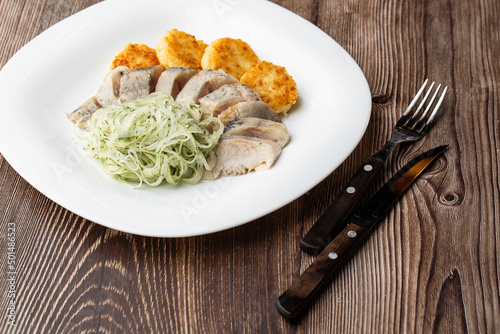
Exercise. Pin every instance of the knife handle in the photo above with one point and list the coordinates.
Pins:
(295, 300)
(332, 220)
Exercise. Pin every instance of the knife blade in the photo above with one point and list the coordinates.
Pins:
(294, 301)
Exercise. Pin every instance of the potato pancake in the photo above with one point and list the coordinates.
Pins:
(135, 56)
(275, 86)
(177, 48)
(233, 56)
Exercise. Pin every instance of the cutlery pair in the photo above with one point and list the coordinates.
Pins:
(335, 236)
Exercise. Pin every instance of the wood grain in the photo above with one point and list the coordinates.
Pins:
(432, 265)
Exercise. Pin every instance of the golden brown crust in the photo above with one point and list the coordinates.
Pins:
(275, 86)
(202, 46)
(135, 55)
(233, 56)
(177, 48)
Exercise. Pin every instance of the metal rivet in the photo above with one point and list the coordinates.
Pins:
(333, 255)
(368, 168)
(351, 190)
(352, 234)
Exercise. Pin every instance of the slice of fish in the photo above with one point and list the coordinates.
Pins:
(139, 83)
(257, 109)
(83, 113)
(238, 155)
(173, 79)
(110, 87)
(227, 96)
(258, 128)
(203, 83)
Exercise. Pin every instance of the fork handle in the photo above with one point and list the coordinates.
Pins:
(332, 221)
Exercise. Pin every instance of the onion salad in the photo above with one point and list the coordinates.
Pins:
(154, 139)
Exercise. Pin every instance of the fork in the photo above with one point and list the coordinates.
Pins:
(414, 124)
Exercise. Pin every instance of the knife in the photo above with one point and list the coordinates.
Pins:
(295, 300)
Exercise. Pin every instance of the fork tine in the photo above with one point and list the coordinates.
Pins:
(415, 99)
(413, 118)
(404, 117)
(426, 111)
(430, 121)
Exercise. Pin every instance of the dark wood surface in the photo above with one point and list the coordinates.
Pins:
(431, 266)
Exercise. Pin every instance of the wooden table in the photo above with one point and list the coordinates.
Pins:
(431, 266)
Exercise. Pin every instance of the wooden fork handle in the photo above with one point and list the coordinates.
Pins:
(333, 219)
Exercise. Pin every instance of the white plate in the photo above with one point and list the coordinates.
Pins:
(64, 65)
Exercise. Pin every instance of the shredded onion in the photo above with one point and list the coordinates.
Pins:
(154, 139)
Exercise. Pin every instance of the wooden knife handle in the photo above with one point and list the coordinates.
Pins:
(295, 300)
(333, 219)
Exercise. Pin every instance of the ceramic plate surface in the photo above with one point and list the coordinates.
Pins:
(62, 67)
